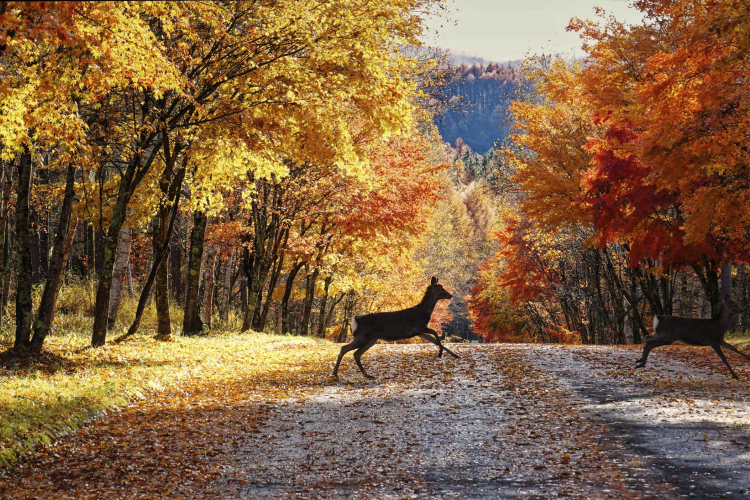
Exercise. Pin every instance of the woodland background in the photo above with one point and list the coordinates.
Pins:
(198, 167)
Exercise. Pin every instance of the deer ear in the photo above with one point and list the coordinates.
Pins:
(434, 281)
(727, 298)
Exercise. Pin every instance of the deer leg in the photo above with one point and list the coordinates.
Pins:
(437, 338)
(717, 349)
(734, 349)
(363, 349)
(426, 337)
(650, 343)
(355, 344)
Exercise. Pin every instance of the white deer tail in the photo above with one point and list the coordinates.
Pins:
(354, 324)
(656, 322)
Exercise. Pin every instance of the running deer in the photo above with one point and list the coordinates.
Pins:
(396, 325)
(704, 332)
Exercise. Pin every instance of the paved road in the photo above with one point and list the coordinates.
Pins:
(503, 421)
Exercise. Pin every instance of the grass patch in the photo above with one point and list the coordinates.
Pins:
(45, 396)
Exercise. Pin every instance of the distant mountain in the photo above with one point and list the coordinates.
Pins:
(485, 90)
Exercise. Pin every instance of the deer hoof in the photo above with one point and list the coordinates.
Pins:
(369, 376)
(335, 375)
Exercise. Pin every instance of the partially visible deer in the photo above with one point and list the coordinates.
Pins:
(396, 325)
(706, 332)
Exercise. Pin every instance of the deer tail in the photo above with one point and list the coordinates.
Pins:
(656, 322)
(354, 324)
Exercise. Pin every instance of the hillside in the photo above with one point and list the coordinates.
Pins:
(486, 91)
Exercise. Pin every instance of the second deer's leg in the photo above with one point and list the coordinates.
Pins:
(355, 344)
(734, 349)
(358, 354)
(717, 349)
(650, 343)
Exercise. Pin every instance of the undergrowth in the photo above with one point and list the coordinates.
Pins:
(46, 395)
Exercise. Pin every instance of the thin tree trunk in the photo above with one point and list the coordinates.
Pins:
(348, 309)
(161, 286)
(209, 275)
(23, 235)
(243, 293)
(4, 237)
(323, 303)
(288, 293)
(227, 287)
(158, 259)
(309, 298)
(130, 179)
(6, 269)
(726, 280)
(120, 275)
(175, 266)
(89, 249)
(192, 323)
(44, 254)
(60, 251)
(36, 266)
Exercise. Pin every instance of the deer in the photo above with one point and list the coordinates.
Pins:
(693, 331)
(396, 325)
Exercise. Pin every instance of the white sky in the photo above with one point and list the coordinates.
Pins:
(507, 30)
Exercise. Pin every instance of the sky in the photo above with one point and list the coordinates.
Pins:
(509, 30)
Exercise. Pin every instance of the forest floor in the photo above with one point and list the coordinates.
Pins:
(503, 421)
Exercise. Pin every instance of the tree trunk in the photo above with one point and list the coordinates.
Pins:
(288, 293)
(161, 286)
(4, 236)
(89, 249)
(309, 298)
(192, 323)
(726, 280)
(130, 179)
(66, 230)
(99, 241)
(226, 287)
(209, 275)
(36, 265)
(323, 303)
(348, 309)
(120, 275)
(23, 235)
(44, 254)
(175, 266)
(243, 293)
(275, 274)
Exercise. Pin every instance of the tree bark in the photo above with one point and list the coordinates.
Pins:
(192, 323)
(130, 179)
(348, 309)
(158, 260)
(36, 265)
(209, 276)
(161, 286)
(4, 236)
(226, 287)
(323, 303)
(726, 280)
(309, 298)
(120, 275)
(23, 235)
(275, 274)
(66, 230)
(175, 266)
(287, 294)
